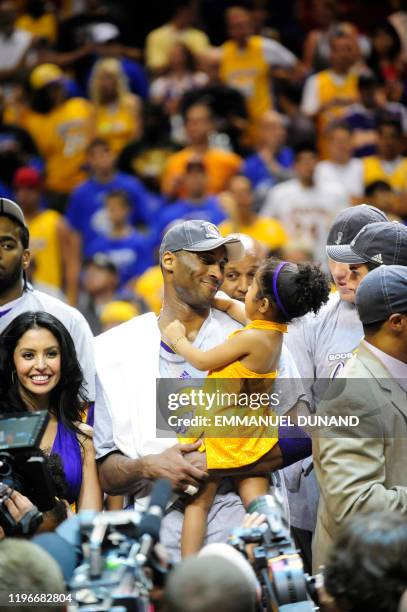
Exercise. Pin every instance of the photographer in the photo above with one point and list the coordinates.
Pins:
(25, 514)
(367, 566)
(219, 577)
(210, 582)
(28, 569)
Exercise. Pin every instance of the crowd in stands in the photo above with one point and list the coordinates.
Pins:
(275, 129)
(105, 144)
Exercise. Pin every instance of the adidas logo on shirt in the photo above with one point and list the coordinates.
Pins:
(377, 258)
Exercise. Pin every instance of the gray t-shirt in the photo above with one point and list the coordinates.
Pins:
(321, 344)
(33, 300)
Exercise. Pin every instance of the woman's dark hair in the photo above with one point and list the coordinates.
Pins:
(395, 49)
(390, 30)
(367, 566)
(43, 99)
(295, 289)
(68, 398)
(189, 58)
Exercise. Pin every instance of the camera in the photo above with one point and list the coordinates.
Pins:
(276, 561)
(23, 468)
(109, 559)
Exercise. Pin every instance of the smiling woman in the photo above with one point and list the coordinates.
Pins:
(39, 370)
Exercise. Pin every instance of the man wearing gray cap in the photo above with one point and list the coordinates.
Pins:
(328, 339)
(321, 345)
(130, 357)
(17, 296)
(364, 468)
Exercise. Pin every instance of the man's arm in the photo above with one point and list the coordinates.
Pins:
(70, 253)
(310, 104)
(354, 467)
(121, 475)
(351, 476)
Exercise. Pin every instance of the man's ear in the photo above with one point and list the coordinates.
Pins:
(264, 305)
(168, 261)
(26, 259)
(397, 322)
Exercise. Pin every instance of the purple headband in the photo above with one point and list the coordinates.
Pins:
(275, 290)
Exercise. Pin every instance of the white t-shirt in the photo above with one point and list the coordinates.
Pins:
(213, 332)
(306, 212)
(170, 87)
(277, 55)
(347, 178)
(13, 47)
(72, 319)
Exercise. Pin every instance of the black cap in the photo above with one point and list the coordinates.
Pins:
(378, 243)
(350, 221)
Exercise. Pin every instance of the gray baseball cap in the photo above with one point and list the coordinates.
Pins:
(197, 235)
(378, 243)
(350, 221)
(11, 209)
(382, 293)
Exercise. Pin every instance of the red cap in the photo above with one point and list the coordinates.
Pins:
(27, 177)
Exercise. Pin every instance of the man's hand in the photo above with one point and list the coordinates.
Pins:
(253, 520)
(172, 465)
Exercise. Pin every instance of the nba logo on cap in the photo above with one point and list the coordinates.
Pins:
(211, 231)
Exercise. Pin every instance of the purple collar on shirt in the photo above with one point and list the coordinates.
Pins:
(5, 312)
(167, 348)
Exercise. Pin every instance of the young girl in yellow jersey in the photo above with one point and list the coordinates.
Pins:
(280, 292)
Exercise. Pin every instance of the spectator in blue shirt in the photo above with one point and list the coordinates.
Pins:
(86, 212)
(364, 116)
(128, 249)
(273, 160)
(195, 205)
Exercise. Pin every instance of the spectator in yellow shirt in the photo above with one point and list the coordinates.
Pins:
(117, 110)
(389, 165)
(54, 250)
(150, 287)
(220, 165)
(327, 93)
(246, 61)
(61, 129)
(38, 21)
(159, 42)
(238, 203)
